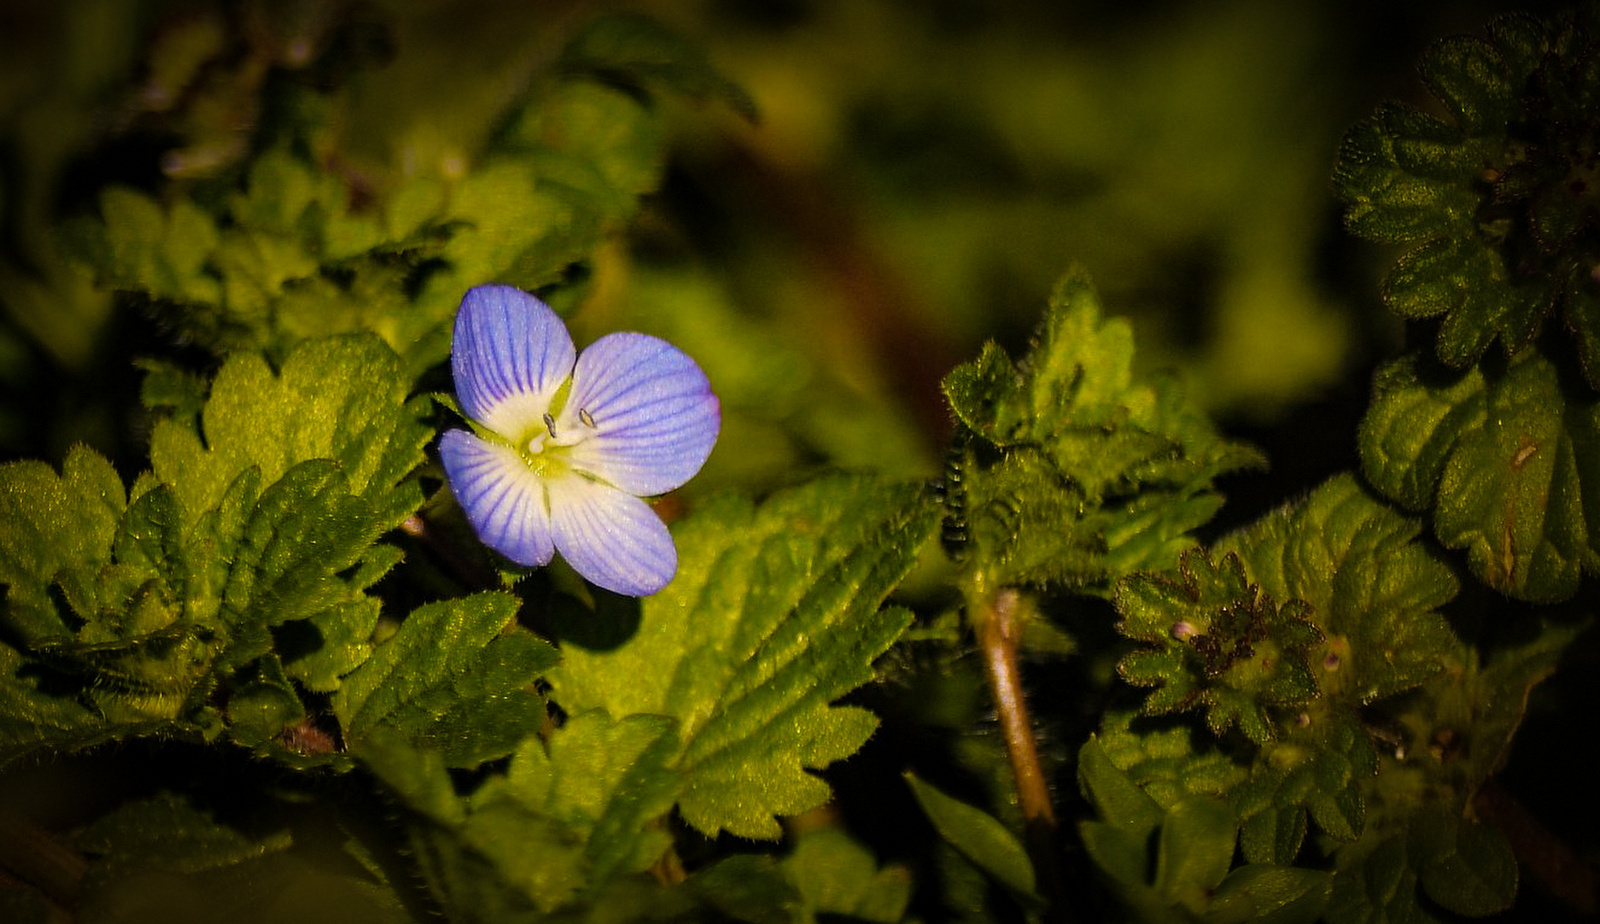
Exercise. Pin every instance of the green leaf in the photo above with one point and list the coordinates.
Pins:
(1271, 895)
(342, 399)
(1113, 793)
(565, 825)
(166, 832)
(283, 259)
(1460, 866)
(835, 875)
(601, 144)
(1373, 588)
(773, 615)
(603, 786)
(1465, 866)
(979, 836)
(1191, 879)
(109, 658)
(53, 522)
(1320, 768)
(172, 388)
(1166, 759)
(304, 530)
(143, 247)
(1376, 883)
(636, 48)
(1194, 850)
(260, 708)
(162, 859)
(514, 230)
(1071, 470)
(747, 887)
(456, 677)
(1496, 197)
(1220, 643)
(1501, 458)
(1274, 833)
(1364, 627)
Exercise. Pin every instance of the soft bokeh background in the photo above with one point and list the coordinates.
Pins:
(918, 176)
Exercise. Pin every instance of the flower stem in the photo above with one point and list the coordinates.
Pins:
(995, 619)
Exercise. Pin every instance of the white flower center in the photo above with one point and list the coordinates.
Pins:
(547, 446)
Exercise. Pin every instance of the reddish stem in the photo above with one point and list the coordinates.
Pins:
(999, 633)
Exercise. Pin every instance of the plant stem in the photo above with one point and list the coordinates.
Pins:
(1542, 855)
(35, 856)
(998, 629)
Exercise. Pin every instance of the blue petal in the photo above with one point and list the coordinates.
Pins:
(510, 354)
(611, 538)
(652, 411)
(502, 497)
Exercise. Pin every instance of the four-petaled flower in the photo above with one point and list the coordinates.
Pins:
(566, 445)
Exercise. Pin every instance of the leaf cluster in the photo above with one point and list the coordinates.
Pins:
(1313, 737)
(1359, 623)
(1495, 195)
(1381, 736)
(246, 616)
(1066, 468)
(715, 699)
(308, 232)
(1232, 649)
(232, 580)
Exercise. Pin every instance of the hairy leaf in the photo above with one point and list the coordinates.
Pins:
(161, 858)
(1465, 866)
(1496, 198)
(248, 549)
(1219, 643)
(456, 677)
(567, 821)
(53, 522)
(1462, 866)
(1071, 470)
(342, 399)
(1502, 457)
(1191, 879)
(1373, 589)
(167, 832)
(93, 606)
(773, 615)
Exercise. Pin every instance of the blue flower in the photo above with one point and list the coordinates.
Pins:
(566, 445)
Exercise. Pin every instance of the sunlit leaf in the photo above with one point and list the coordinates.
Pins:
(456, 677)
(1075, 471)
(774, 614)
